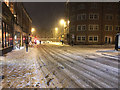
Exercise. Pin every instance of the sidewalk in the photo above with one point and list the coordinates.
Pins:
(20, 70)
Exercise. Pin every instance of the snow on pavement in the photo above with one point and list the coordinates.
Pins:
(19, 69)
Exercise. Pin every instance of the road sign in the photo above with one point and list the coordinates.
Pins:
(119, 41)
(73, 36)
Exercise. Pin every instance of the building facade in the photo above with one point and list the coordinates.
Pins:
(92, 22)
(15, 26)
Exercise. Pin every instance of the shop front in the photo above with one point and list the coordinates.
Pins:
(6, 31)
(6, 41)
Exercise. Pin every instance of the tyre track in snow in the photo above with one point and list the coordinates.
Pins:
(104, 67)
(73, 58)
(56, 70)
(107, 59)
(81, 84)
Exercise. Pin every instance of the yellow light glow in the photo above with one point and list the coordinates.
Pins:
(68, 21)
(62, 21)
(65, 24)
(33, 29)
(56, 29)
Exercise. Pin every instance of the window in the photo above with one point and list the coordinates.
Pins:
(73, 8)
(93, 39)
(90, 38)
(72, 28)
(93, 16)
(81, 6)
(109, 17)
(94, 6)
(108, 27)
(93, 27)
(81, 27)
(81, 38)
(117, 28)
(81, 17)
(108, 39)
(118, 17)
(72, 18)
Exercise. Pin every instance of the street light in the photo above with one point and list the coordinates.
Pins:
(32, 30)
(62, 21)
(68, 22)
(56, 33)
(56, 29)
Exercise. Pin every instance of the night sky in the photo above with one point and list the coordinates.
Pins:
(45, 15)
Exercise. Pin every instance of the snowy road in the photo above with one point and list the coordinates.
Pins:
(57, 66)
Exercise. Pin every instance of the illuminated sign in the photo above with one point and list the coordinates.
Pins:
(119, 41)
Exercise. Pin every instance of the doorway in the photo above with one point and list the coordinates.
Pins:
(108, 39)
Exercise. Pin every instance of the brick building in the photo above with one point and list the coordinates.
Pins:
(15, 25)
(92, 22)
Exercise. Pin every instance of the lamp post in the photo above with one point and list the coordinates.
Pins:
(63, 23)
(32, 30)
(56, 33)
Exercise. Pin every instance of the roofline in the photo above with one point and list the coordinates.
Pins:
(26, 12)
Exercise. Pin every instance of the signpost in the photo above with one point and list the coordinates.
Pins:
(119, 41)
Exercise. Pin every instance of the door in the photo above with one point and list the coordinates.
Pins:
(108, 39)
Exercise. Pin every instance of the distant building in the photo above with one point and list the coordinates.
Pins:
(15, 26)
(92, 22)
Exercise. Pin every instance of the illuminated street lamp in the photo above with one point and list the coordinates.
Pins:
(62, 21)
(32, 30)
(56, 32)
(68, 22)
(56, 29)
